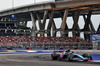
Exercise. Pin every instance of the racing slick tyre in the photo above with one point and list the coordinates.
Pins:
(85, 55)
(54, 57)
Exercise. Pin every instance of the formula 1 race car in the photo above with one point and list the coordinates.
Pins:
(70, 56)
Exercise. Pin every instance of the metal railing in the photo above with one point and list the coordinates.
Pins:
(21, 31)
(49, 45)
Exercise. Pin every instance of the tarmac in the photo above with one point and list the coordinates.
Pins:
(42, 59)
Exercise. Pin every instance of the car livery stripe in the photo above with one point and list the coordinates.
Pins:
(80, 56)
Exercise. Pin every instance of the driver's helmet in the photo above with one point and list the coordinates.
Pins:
(68, 50)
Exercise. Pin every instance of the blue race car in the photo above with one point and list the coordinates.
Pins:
(69, 56)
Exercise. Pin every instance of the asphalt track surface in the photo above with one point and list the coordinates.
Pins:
(38, 60)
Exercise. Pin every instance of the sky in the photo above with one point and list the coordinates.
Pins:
(8, 4)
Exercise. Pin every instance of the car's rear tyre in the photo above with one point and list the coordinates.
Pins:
(53, 57)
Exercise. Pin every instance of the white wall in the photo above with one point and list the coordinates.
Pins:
(8, 4)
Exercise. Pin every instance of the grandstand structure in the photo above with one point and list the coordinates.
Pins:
(23, 42)
(51, 10)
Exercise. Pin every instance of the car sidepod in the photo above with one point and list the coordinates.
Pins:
(81, 57)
